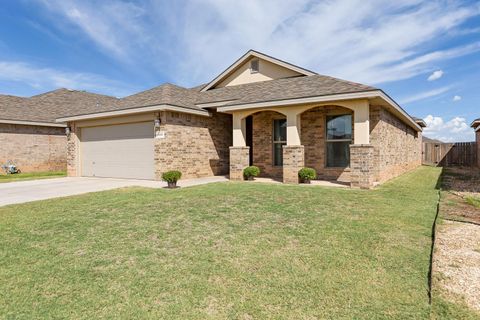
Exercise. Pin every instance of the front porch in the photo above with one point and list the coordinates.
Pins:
(333, 138)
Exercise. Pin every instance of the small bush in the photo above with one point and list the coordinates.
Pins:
(250, 172)
(307, 174)
(171, 176)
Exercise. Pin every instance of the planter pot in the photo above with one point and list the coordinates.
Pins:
(250, 178)
(306, 181)
(172, 185)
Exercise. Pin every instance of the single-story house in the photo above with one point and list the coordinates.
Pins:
(29, 135)
(476, 126)
(260, 111)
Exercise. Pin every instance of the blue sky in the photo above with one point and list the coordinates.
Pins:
(425, 54)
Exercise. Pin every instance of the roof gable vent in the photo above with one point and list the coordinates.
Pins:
(254, 66)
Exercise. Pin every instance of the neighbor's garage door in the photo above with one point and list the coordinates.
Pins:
(118, 151)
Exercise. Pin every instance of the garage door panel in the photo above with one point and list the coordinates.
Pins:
(118, 151)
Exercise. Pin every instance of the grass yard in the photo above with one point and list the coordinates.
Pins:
(31, 176)
(227, 250)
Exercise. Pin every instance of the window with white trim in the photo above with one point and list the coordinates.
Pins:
(279, 140)
(339, 138)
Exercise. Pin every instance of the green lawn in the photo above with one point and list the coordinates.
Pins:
(227, 250)
(31, 176)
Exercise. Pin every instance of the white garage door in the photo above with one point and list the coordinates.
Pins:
(118, 151)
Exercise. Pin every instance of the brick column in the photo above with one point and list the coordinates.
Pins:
(72, 151)
(239, 160)
(293, 160)
(362, 166)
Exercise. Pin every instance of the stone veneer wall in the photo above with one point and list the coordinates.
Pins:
(33, 148)
(198, 146)
(397, 147)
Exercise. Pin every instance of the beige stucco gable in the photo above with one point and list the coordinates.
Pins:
(269, 68)
(266, 71)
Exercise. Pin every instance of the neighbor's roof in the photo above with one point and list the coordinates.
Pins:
(46, 107)
(420, 122)
(475, 123)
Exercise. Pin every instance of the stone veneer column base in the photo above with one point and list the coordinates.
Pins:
(239, 160)
(362, 166)
(293, 160)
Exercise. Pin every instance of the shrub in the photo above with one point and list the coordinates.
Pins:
(307, 174)
(250, 172)
(171, 176)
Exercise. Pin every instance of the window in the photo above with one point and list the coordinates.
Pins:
(279, 140)
(254, 66)
(339, 138)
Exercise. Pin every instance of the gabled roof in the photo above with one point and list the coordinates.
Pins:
(164, 97)
(281, 89)
(248, 55)
(164, 94)
(45, 108)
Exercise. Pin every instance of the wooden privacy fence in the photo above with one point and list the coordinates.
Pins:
(450, 154)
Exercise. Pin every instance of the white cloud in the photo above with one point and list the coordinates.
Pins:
(435, 75)
(192, 41)
(47, 78)
(456, 98)
(425, 95)
(453, 130)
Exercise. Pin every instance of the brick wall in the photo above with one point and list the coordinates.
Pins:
(198, 146)
(262, 146)
(397, 147)
(362, 164)
(313, 135)
(33, 148)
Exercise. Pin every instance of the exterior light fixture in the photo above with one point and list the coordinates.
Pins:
(67, 131)
(157, 123)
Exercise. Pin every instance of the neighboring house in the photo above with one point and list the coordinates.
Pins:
(476, 127)
(260, 111)
(29, 135)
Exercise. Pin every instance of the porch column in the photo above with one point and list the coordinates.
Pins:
(362, 158)
(293, 152)
(239, 152)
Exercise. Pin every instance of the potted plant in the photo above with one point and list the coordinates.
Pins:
(171, 177)
(251, 172)
(306, 175)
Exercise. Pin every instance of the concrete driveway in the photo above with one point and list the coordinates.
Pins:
(33, 190)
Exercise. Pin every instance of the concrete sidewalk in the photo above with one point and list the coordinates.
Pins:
(33, 190)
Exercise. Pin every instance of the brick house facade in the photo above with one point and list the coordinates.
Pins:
(260, 111)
